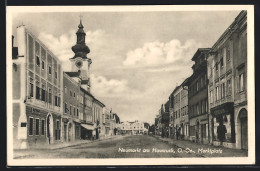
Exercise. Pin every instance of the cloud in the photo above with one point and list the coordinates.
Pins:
(103, 87)
(61, 45)
(154, 54)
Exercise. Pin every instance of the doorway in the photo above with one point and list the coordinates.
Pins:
(244, 128)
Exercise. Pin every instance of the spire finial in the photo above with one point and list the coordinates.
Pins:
(80, 16)
(80, 24)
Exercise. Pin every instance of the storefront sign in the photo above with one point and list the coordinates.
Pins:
(225, 108)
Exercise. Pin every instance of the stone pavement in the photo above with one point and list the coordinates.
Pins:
(205, 150)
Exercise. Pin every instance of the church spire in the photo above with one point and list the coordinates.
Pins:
(80, 49)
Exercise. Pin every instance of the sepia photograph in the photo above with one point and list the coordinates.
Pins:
(130, 85)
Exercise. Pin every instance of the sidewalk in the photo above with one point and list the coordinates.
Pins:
(205, 150)
(61, 145)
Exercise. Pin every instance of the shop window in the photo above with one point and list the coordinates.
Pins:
(37, 126)
(31, 126)
(43, 127)
(57, 131)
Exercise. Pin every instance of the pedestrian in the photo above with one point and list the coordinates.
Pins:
(221, 131)
(177, 134)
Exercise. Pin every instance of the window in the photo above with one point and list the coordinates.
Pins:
(241, 82)
(49, 69)
(216, 66)
(38, 91)
(228, 53)
(37, 126)
(31, 126)
(65, 90)
(216, 95)
(70, 110)
(56, 100)
(70, 93)
(38, 60)
(211, 96)
(74, 94)
(43, 93)
(65, 108)
(56, 75)
(221, 62)
(222, 89)
(43, 126)
(77, 112)
(50, 96)
(197, 109)
(43, 65)
(74, 111)
(31, 88)
(229, 87)
(206, 105)
(57, 131)
(197, 86)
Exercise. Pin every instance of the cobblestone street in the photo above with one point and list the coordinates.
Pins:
(138, 146)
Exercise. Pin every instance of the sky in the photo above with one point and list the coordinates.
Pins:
(138, 58)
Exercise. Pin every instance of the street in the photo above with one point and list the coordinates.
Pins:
(136, 146)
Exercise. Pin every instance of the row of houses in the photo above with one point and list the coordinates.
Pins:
(51, 105)
(133, 128)
(210, 106)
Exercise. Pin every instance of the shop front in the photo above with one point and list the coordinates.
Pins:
(223, 125)
(86, 131)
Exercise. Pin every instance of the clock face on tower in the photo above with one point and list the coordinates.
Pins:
(79, 63)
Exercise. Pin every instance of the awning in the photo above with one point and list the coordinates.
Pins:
(88, 127)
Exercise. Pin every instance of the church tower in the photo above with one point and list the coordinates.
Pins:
(80, 63)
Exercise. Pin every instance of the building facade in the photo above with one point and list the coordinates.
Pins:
(180, 111)
(227, 71)
(171, 115)
(73, 111)
(37, 93)
(198, 98)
